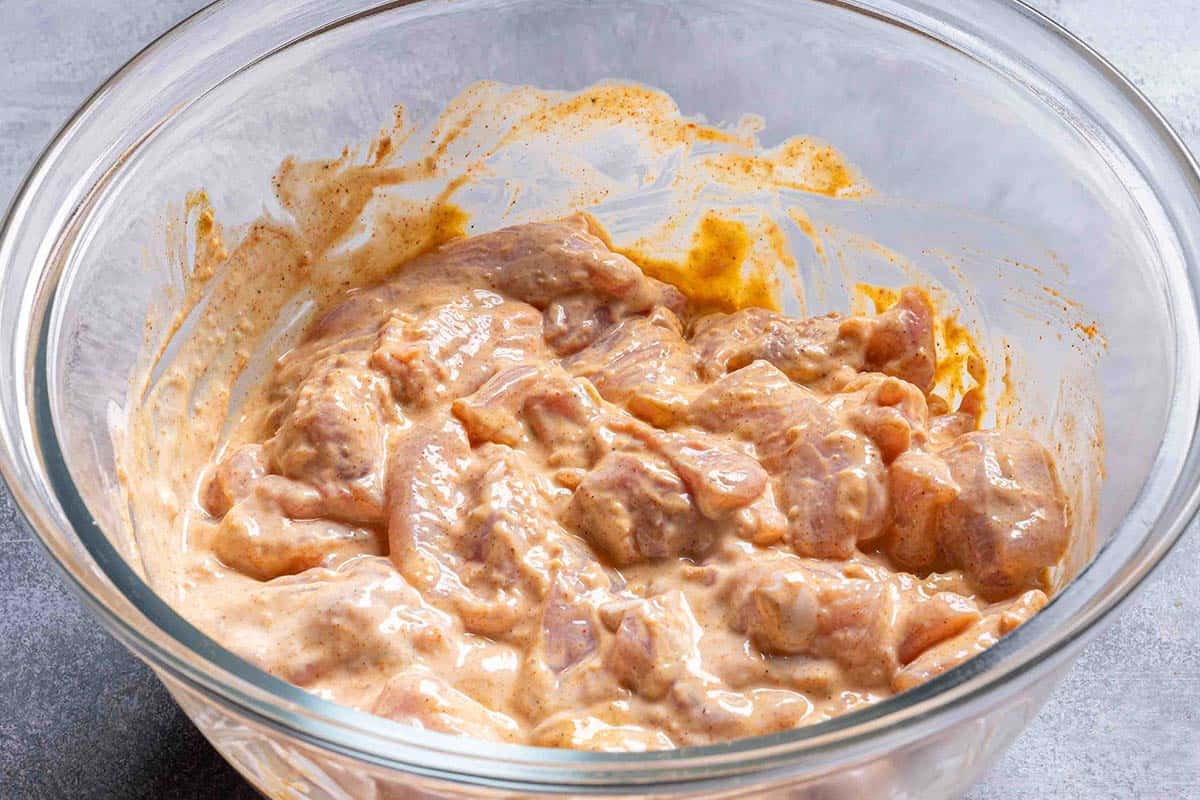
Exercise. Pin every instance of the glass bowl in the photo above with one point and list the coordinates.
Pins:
(981, 106)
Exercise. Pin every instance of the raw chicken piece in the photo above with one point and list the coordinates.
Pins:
(727, 485)
(700, 713)
(643, 364)
(420, 698)
(639, 506)
(757, 404)
(274, 531)
(933, 619)
(363, 311)
(559, 419)
(546, 261)
(946, 426)
(570, 630)
(1008, 522)
(425, 500)
(989, 503)
(562, 268)
(831, 480)
(333, 436)
(634, 507)
(892, 412)
(721, 478)
(655, 643)
(563, 666)
(597, 729)
(870, 621)
(476, 533)
(573, 322)
(780, 610)
(540, 408)
(995, 623)
(447, 351)
(233, 478)
(900, 341)
(340, 628)
(510, 541)
(308, 358)
(921, 485)
(819, 350)
(805, 610)
(833, 489)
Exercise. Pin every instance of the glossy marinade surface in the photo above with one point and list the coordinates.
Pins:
(524, 492)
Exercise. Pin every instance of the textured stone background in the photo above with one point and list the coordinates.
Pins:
(80, 718)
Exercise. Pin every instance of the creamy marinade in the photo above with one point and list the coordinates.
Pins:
(517, 487)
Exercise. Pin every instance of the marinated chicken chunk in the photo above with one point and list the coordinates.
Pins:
(655, 643)
(562, 268)
(989, 504)
(830, 477)
(422, 699)
(570, 629)
(342, 630)
(544, 261)
(891, 412)
(539, 407)
(602, 729)
(448, 351)
(520, 492)
(820, 351)
(476, 533)
(233, 478)
(277, 530)
(999, 619)
(634, 507)
(921, 485)
(333, 437)
(869, 621)
(643, 364)
(625, 474)
(700, 713)
(1007, 523)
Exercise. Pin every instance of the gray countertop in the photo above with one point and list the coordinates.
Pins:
(81, 718)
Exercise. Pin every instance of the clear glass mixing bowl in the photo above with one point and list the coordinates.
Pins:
(981, 106)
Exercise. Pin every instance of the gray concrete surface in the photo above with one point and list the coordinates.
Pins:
(81, 718)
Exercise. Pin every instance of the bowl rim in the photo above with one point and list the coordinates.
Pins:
(29, 438)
